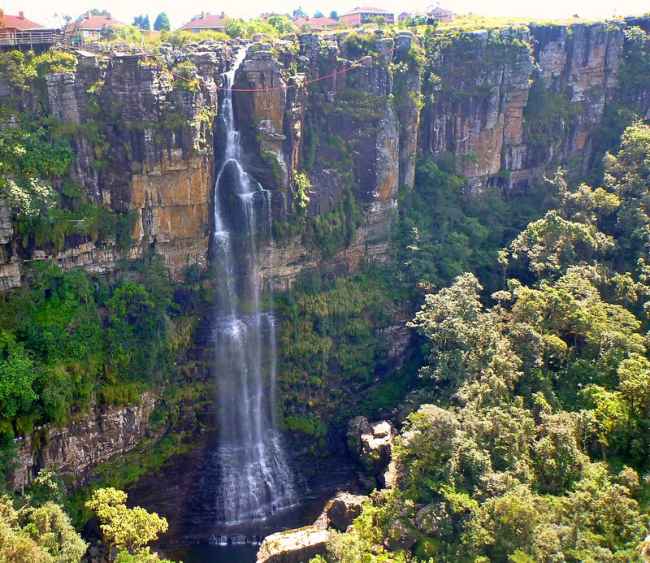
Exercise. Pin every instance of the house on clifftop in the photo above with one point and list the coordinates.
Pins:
(437, 13)
(18, 31)
(360, 16)
(206, 22)
(90, 28)
(315, 24)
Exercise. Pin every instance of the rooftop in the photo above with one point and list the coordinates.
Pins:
(95, 23)
(206, 21)
(366, 9)
(315, 22)
(18, 22)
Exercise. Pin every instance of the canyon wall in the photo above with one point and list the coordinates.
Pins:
(142, 138)
(332, 126)
(510, 105)
(349, 112)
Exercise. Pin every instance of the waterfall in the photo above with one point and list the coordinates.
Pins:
(254, 478)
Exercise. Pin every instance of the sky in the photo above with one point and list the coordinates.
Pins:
(47, 12)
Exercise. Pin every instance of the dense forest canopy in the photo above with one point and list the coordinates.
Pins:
(535, 445)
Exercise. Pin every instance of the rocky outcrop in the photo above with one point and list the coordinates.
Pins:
(294, 546)
(509, 104)
(142, 139)
(75, 449)
(475, 105)
(260, 102)
(371, 445)
(301, 544)
(340, 512)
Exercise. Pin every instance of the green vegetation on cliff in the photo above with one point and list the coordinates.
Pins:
(334, 346)
(70, 339)
(329, 347)
(36, 153)
(531, 309)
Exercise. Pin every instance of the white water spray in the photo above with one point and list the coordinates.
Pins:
(255, 480)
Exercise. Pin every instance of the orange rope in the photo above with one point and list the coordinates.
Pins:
(285, 87)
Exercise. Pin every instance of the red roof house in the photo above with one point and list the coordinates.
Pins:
(315, 24)
(96, 23)
(17, 32)
(362, 15)
(206, 22)
(19, 22)
(438, 13)
(89, 27)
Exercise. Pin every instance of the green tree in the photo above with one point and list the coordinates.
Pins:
(17, 377)
(142, 22)
(161, 22)
(144, 555)
(467, 349)
(627, 174)
(282, 24)
(128, 529)
(41, 534)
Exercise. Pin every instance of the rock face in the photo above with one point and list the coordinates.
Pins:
(293, 546)
(475, 109)
(340, 512)
(505, 105)
(351, 116)
(509, 104)
(301, 544)
(143, 147)
(371, 445)
(75, 449)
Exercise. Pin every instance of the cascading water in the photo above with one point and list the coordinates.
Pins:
(254, 479)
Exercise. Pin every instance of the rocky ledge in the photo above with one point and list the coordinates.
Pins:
(301, 544)
(75, 449)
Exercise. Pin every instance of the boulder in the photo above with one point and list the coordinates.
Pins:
(371, 445)
(340, 511)
(293, 546)
(433, 520)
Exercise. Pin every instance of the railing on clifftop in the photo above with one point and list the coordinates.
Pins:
(10, 38)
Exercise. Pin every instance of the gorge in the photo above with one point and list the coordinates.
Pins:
(216, 255)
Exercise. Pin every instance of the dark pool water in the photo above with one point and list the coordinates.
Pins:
(183, 492)
(205, 553)
(242, 546)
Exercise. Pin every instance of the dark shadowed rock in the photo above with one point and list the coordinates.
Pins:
(341, 511)
(401, 535)
(371, 445)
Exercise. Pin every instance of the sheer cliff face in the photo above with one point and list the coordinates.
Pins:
(509, 105)
(142, 139)
(352, 113)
